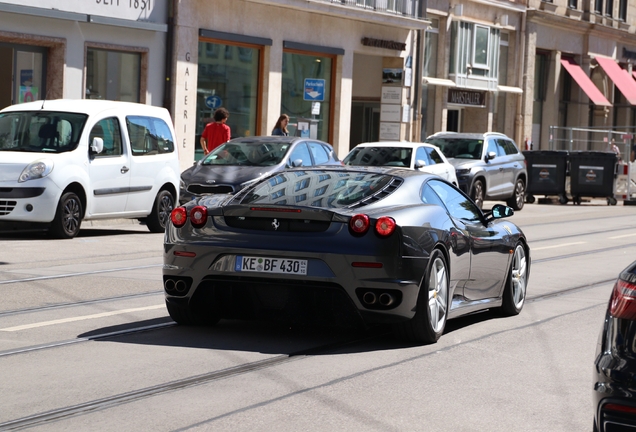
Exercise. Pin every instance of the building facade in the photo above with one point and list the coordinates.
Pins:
(103, 49)
(579, 57)
(344, 71)
(472, 71)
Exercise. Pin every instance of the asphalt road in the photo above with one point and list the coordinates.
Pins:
(86, 344)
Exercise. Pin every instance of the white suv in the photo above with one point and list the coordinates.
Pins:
(64, 161)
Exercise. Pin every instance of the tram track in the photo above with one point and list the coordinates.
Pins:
(44, 418)
(138, 295)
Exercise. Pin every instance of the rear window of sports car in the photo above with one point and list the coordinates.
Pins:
(327, 189)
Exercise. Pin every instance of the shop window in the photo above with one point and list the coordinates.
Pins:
(228, 76)
(113, 75)
(297, 67)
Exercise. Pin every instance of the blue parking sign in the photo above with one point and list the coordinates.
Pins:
(314, 90)
(213, 102)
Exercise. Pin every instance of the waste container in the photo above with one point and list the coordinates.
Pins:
(592, 175)
(546, 174)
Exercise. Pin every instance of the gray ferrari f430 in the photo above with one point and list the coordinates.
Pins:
(344, 245)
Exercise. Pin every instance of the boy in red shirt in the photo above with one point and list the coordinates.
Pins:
(217, 132)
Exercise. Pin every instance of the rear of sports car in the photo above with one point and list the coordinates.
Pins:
(321, 264)
(615, 364)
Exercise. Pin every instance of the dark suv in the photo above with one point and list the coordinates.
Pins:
(488, 165)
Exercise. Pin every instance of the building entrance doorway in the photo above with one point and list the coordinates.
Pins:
(22, 78)
(453, 120)
(365, 123)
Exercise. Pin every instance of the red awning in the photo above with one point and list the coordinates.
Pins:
(584, 82)
(620, 77)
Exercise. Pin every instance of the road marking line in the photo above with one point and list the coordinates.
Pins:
(556, 246)
(624, 235)
(79, 318)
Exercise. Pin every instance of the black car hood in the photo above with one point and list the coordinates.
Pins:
(230, 174)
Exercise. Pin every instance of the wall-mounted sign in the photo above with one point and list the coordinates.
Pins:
(392, 95)
(154, 11)
(390, 113)
(466, 97)
(381, 43)
(389, 131)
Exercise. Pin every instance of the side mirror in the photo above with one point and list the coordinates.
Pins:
(501, 211)
(490, 155)
(97, 146)
(419, 163)
(296, 163)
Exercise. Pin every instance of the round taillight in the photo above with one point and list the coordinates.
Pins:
(198, 216)
(179, 216)
(359, 223)
(385, 226)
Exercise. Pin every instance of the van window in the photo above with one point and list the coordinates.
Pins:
(149, 135)
(108, 130)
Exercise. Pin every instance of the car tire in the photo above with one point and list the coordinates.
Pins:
(514, 294)
(478, 193)
(68, 217)
(183, 315)
(429, 321)
(518, 197)
(161, 209)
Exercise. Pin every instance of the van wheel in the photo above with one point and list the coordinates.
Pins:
(158, 219)
(68, 217)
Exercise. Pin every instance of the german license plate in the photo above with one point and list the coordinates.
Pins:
(270, 265)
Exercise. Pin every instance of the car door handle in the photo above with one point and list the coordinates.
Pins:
(124, 169)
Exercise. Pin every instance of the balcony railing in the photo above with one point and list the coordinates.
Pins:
(410, 8)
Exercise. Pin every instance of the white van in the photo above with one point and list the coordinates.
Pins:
(64, 161)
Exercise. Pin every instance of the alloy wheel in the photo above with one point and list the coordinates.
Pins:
(519, 276)
(71, 216)
(165, 208)
(437, 295)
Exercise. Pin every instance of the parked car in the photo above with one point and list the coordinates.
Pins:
(242, 161)
(488, 165)
(65, 161)
(615, 363)
(417, 156)
(344, 245)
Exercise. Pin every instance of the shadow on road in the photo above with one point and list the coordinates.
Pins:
(41, 234)
(269, 337)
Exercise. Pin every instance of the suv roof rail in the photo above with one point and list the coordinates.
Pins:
(495, 133)
(441, 133)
